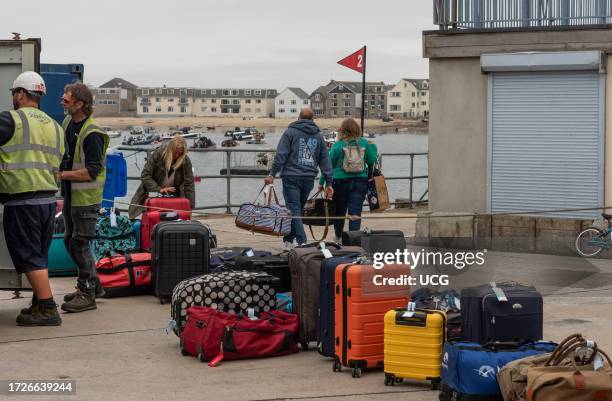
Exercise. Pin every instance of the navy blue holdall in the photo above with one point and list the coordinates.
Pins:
(469, 370)
(325, 326)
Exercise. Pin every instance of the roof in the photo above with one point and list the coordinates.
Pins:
(355, 86)
(418, 83)
(299, 92)
(118, 83)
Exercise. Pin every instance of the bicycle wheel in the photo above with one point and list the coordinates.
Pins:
(591, 242)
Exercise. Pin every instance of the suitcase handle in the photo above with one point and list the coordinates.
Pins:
(495, 345)
(168, 216)
(418, 319)
(316, 245)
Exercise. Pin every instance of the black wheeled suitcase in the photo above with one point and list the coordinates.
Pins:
(229, 291)
(181, 249)
(375, 240)
(274, 265)
(504, 312)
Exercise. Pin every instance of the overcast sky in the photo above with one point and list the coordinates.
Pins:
(226, 43)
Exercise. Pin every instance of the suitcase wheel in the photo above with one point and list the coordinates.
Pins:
(183, 352)
(201, 357)
(337, 366)
(304, 345)
(356, 372)
(162, 301)
(435, 384)
(389, 379)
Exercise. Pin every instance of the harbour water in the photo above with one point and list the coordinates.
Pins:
(213, 191)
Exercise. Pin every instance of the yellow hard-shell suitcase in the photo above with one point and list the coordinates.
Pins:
(413, 345)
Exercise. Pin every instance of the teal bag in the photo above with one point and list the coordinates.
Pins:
(111, 240)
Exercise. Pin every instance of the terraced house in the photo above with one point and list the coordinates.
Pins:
(343, 99)
(200, 102)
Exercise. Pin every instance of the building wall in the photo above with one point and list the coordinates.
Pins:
(123, 102)
(608, 138)
(457, 136)
(284, 108)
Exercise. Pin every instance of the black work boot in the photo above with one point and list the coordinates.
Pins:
(81, 302)
(28, 310)
(41, 315)
(99, 293)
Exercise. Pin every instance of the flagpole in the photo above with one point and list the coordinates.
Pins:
(363, 90)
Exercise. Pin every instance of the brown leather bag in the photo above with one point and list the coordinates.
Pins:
(579, 381)
(317, 212)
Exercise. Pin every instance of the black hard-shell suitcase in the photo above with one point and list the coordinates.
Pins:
(180, 251)
(325, 326)
(501, 312)
(274, 265)
(229, 291)
(375, 240)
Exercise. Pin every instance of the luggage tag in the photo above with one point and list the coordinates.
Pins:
(598, 362)
(251, 314)
(410, 310)
(326, 252)
(170, 326)
(501, 297)
(250, 253)
(113, 218)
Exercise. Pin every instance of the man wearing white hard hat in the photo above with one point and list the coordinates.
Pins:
(31, 150)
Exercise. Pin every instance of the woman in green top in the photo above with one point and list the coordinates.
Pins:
(350, 156)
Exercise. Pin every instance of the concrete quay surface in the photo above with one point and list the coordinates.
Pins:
(121, 352)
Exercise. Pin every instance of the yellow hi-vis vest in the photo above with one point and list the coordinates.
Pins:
(87, 193)
(30, 160)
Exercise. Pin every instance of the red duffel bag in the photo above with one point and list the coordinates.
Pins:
(213, 336)
(125, 275)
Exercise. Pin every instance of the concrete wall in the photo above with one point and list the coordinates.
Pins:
(457, 135)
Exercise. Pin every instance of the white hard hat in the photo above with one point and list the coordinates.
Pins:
(30, 81)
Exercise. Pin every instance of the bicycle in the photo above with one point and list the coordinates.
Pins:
(592, 240)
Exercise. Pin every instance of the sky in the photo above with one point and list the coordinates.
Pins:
(226, 43)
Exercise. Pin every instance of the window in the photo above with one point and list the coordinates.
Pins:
(258, 110)
(204, 108)
(281, 110)
(381, 97)
(372, 103)
(281, 101)
(423, 103)
(247, 92)
(183, 92)
(145, 91)
(258, 101)
(183, 109)
(347, 113)
(248, 101)
(413, 104)
(213, 109)
(213, 100)
(248, 110)
(341, 87)
(413, 94)
(158, 109)
(334, 104)
(183, 100)
(158, 99)
(213, 91)
(234, 92)
(145, 109)
(203, 92)
(334, 96)
(257, 92)
(203, 100)
(334, 112)
(423, 93)
(317, 97)
(102, 91)
(158, 91)
(347, 95)
(235, 110)
(405, 85)
(293, 102)
(396, 107)
(170, 100)
(226, 92)
(235, 101)
(294, 110)
(170, 91)
(347, 104)
(170, 109)
(225, 101)
(306, 102)
(224, 110)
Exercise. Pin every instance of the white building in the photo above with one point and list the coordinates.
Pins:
(289, 102)
(409, 98)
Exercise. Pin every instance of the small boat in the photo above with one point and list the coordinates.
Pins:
(210, 127)
(259, 138)
(136, 140)
(138, 130)
(245, 134)
(203, 143)
(111, 134)
(198, 126)
(167, 137)
(230, 143)
(231, 133)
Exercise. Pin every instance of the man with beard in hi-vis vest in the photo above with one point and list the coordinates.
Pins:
(83, 175)
(31, 150)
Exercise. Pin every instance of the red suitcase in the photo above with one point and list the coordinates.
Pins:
(164, 204)
(150, 220)
(125, 275)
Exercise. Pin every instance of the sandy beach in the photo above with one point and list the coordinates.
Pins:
(231, 122)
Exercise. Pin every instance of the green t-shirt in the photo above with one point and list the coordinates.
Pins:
(336, 154)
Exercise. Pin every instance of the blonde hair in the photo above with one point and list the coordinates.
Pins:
(349, 129)
(176, 142)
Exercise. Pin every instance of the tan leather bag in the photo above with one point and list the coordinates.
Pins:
(576, 382)
(512, 378)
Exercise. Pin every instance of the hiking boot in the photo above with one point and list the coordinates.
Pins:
(99, 293)
(28, 310)
(80, 302)
(41, 315)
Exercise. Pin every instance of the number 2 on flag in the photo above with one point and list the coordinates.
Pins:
(355, 61)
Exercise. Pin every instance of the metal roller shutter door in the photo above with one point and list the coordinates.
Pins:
(546, 142)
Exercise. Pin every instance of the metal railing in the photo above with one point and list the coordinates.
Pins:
(228, 176)
(494, 14)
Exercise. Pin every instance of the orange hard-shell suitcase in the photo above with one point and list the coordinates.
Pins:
(359, 318)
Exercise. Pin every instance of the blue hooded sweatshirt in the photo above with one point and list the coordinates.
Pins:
(301, 151)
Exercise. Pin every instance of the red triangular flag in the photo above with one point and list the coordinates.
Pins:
(355, 61)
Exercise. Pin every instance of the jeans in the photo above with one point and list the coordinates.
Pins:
(80, 230)
(296, 191)
(349, 194)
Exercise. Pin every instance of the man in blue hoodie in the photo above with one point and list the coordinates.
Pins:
(299, 154)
